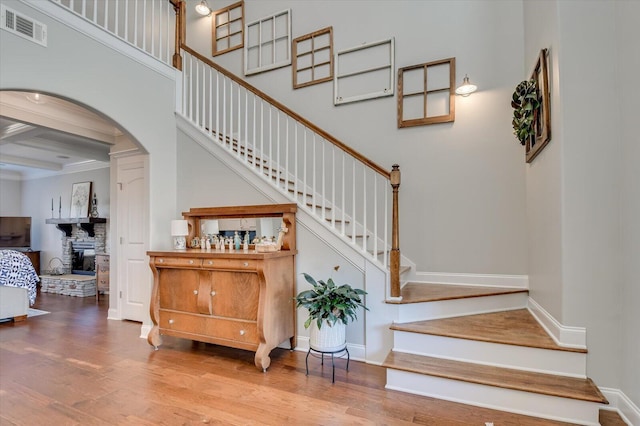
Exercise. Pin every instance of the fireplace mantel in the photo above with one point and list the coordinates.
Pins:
(86, 223)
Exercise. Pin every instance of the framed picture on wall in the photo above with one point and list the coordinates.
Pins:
(80, 199)
(542, 118)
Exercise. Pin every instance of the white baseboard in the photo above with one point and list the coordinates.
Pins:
(144, 330)
(569, 337)
(356, 352)
(619, 402)
(490, 280)
(113, 314)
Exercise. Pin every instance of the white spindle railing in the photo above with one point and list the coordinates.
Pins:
(344, 192)
(148, 25)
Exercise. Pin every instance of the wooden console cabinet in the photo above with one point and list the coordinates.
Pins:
(102, 274)
(233, 298)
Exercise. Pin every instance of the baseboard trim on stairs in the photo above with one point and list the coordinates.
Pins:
(519, 402)
(487, 280)
(618, 401)
(569, 337)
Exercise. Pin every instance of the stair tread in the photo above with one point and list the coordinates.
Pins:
(516, 327)
(428, 292)
(508, 378)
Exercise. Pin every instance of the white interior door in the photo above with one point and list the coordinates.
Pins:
(133, 266)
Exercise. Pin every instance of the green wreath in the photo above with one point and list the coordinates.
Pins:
(525, 105)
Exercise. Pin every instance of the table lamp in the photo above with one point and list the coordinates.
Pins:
(179, 230)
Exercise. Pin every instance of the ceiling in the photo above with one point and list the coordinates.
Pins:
(42, 135)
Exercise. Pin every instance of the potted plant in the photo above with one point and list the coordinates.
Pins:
(330, 307)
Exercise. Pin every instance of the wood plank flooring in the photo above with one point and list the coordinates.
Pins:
(516, 327)
(425, 292)
(75, 367)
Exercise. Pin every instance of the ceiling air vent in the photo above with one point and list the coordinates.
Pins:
(23, 26)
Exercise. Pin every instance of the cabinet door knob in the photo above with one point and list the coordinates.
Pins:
(245, 264)
(211, 262)
(195, 291)
(213, 293)
(161, 260)
(170, 321)
(242, 332)
(191, 262)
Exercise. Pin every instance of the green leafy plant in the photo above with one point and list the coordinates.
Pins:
(525, 105)
(330, 302)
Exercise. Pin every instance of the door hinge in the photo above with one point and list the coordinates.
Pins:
(120, 294)
(119, 186)
(121, 240)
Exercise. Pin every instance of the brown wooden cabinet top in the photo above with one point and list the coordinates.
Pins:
(208, 254)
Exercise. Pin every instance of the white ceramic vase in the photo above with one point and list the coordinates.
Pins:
(327, 338)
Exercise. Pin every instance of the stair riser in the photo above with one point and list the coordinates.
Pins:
(524, 358)
(527, 403)
(459, 307)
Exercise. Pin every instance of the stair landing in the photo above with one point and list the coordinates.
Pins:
(427, 292)
(545, 384)
(516, 327)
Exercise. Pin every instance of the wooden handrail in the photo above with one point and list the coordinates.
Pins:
(180, 10)
(394, 261)
(393, 176)
(377, 168)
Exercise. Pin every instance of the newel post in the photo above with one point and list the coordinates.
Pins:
(395, 234)
(179, 6)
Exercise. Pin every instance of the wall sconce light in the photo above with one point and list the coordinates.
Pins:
(203, 8)
(467, 88)
(179, 230)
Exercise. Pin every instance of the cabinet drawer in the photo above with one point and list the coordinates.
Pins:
(240, 331)
(230, 264)
(177, 262)
(102, 260)
(103, 282)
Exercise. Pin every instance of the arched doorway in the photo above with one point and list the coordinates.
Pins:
(47, 143)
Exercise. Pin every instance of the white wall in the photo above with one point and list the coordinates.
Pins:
(543, 176)
(462, 199)
(204, 181)
(140, 102)
(37, 196)
(627, 34)
(10, 197)
(582, 190)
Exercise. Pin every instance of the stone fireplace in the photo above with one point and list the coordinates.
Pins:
(82, 260)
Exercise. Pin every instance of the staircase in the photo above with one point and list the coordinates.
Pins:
(481, 346)
(471, 344)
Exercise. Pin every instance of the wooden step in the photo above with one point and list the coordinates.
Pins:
(544, 384)
(404, 269)
(517, 327)
(427, 292)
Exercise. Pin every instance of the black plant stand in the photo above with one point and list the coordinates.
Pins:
(322, 354)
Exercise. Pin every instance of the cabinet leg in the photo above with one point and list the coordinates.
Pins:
(262, 359)
(154, 337)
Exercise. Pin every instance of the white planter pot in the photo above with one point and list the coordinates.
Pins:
(327, 338)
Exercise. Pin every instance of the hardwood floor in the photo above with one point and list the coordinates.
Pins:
(75, 367)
